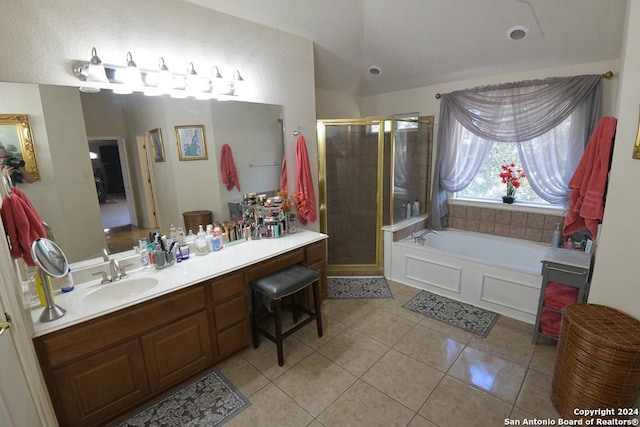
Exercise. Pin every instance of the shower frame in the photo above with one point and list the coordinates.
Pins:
(382, 196)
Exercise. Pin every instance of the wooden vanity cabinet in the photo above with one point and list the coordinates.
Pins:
(103, 369)
(107, 366)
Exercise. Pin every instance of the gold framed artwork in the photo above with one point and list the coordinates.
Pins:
(17, 140)
(158, 145)
(191, 142)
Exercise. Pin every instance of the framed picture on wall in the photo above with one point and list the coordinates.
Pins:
(191, 142)
(16, 141)
(158, 145)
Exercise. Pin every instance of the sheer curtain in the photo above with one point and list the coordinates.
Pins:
(552, 120)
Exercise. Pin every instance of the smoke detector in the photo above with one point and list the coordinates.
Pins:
(517, 33)
(374, 70)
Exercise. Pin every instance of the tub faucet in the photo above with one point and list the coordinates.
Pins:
(419, 238)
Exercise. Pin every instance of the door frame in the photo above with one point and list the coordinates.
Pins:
(126, 174)
(21, 332)
(149, 196)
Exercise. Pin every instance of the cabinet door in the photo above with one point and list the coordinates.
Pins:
(92, 390)
(177, 351)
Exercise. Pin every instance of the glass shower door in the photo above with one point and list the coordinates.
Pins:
(352, 210)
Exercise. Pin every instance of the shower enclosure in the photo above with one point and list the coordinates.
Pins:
(373, 172)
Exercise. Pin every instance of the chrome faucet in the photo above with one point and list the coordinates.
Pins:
(105, 254)
(419, 238)
(116, 271)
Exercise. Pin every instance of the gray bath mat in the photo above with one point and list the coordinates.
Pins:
(465, 316)
(210, 400)
(358, 287)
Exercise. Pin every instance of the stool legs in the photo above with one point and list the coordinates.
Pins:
(278, 310)
(316, 304)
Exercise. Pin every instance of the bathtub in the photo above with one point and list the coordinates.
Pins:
(496, 273)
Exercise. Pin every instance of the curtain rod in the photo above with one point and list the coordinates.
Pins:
(606, 75)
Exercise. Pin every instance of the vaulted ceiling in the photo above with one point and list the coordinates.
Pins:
(424, 42)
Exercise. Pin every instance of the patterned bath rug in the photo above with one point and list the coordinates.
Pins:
(465, 316)
(358, 287)
(210, 400)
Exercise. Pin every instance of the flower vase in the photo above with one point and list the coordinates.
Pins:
(508, 199)
(291, 223)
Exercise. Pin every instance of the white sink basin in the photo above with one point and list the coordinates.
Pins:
(121, 290)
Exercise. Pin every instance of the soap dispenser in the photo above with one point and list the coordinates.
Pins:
(555, 239)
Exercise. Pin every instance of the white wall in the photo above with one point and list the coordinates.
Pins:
(615, 280)
(336, 105)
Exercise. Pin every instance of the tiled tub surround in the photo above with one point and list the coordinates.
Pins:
(535, 227)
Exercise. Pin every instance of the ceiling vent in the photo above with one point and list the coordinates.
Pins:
(519, 32)
(374, 70)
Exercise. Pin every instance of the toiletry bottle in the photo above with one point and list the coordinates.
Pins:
(144, 252)
(201, 242)
(416, 207)
(408, 208)
(173, 233)
(181, 236)
(555, 239)
(217, 239)
(66, 282)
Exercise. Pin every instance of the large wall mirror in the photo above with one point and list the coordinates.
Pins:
(70, 127)
(16, 140)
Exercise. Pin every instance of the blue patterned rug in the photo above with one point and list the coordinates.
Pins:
(210, 400)
(358, 287)
(465, 316)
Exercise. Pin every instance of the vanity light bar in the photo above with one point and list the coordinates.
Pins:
(154, 82)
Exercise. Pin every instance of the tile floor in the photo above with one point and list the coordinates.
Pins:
(379, 364)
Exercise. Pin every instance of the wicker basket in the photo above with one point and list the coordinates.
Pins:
(598, 362)
(194, 218)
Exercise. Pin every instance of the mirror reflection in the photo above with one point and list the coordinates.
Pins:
(95, 155)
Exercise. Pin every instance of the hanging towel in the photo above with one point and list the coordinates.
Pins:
(283, 176)
(589, 182)
(304, 184)
(22, 224)
(228, 168)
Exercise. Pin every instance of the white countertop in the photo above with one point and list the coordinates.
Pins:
(178, 276)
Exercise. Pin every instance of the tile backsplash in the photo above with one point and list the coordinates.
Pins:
(500, 222)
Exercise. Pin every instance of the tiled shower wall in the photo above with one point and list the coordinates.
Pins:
(506, 223)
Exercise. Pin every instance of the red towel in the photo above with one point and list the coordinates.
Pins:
(304, 184)
(589, 182)
(283, 176)
(22, 224)
(551, 322)
(228, 168)
(558, 296)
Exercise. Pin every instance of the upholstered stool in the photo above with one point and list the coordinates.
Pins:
(277, 286)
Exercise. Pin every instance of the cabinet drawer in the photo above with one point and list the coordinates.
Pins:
(234, 338)
(315, 253)
(227, 287)
(81, 340)
(266, 268)
(566, 274)
(230, 312)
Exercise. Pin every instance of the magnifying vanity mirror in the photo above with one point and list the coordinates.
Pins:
(65, 123)
(51, 262)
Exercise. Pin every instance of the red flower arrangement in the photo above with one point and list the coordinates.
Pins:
(289, 202)
(511, 177)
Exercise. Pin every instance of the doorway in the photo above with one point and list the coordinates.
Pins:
(115, 193)
(370, 169)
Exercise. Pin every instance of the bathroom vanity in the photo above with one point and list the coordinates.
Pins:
(104, 361)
